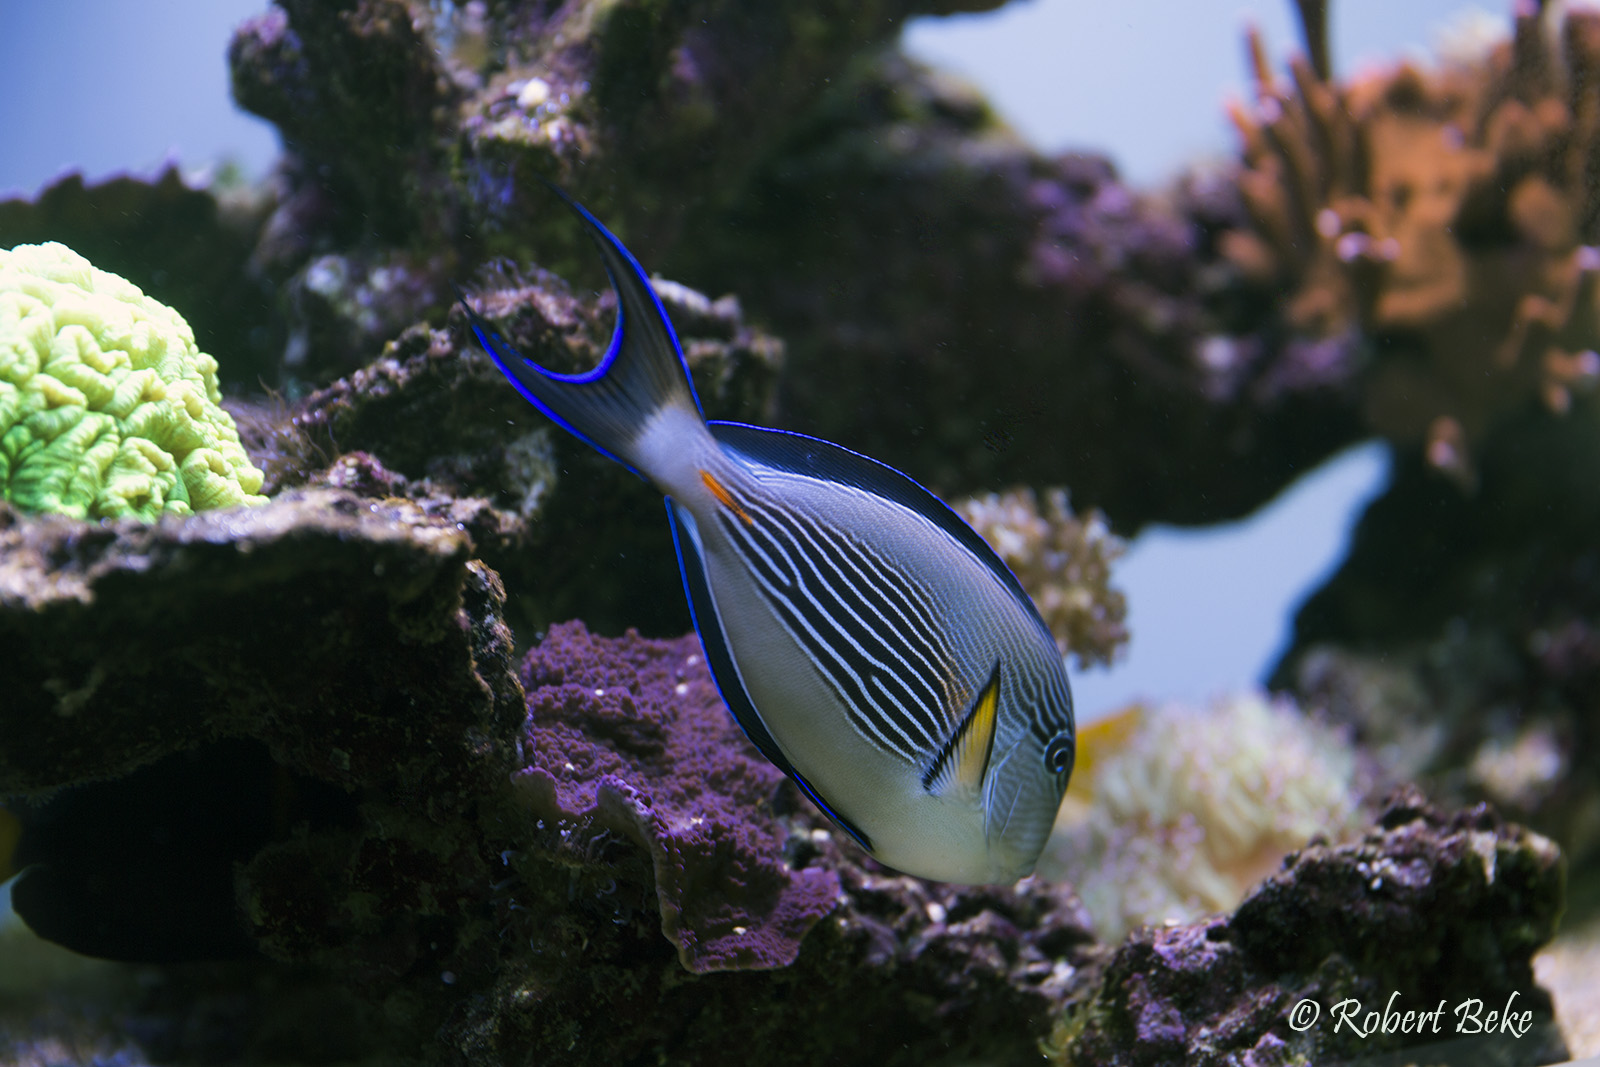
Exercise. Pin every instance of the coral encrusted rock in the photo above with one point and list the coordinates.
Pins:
(955, 303)
(124, 642)
(324, 677)
(979, 315)
(1460, 638)
(571, 533)
(671, 776)
(1429, 908)
(673, 899)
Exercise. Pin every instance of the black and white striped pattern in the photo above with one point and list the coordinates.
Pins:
(870, 630)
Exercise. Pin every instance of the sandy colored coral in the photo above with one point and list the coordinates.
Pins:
(1063, 561)
(1198, 807)
(1567, 967)
(107, 407)
(1447, 215)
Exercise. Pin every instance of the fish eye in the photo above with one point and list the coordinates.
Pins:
(1058, 754)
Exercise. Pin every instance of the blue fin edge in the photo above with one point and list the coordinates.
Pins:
(506, 358)
(606, 241)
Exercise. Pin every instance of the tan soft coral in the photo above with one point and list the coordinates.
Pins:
(1193, 807)
(1447, 215)
(1063, 561)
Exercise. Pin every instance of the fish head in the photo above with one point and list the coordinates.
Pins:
(1000, 777)
(1026, 783)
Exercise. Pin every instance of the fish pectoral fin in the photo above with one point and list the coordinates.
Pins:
(959, 768)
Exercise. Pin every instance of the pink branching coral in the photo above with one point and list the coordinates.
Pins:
(1448, 215)
(1064, 562)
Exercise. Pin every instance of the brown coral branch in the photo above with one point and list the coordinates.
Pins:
(1314, 28)
(1439, 213)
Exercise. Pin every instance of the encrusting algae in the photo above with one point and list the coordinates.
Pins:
(107, 407)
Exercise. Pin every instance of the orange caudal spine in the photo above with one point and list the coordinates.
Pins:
(724, 497)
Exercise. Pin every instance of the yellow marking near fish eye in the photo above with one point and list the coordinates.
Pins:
(977, 742)
(724, 497)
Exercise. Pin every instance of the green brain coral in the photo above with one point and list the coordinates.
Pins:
(107, 407)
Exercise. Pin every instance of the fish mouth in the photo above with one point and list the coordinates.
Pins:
(997, 821)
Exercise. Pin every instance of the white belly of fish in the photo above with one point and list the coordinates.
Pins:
(879, 792)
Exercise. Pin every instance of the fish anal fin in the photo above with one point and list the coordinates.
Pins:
(959, 768)
(827, 809)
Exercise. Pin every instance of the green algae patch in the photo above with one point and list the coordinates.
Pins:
(108, 409)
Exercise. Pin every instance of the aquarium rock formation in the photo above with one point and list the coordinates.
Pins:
(1429, 908)
(364, 758)
(542, 889)
(1474, 665)
(1445, 217)
(1456, 637)
(670, 849)
(672, 778)
(432, 419)
(1120, 315)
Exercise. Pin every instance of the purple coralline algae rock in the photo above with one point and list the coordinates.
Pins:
(641, 811)
(1429, 908)
(631, 735)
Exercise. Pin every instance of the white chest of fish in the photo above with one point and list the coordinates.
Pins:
(868, 642)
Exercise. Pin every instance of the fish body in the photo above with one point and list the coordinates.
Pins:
(869, 643)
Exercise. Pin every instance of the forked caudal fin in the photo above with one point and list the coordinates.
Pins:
(643, 371)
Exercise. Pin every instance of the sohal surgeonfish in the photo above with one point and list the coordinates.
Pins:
(869, 643)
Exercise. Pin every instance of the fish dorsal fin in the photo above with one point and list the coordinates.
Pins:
(813, 457)
(959, 768)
